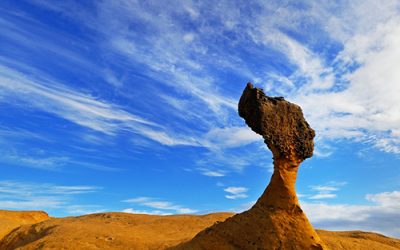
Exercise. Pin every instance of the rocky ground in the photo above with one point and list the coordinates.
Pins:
(134, 231)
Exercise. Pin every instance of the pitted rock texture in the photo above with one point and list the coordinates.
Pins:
(281, 123)
(276, 221)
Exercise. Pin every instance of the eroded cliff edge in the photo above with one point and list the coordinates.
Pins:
(276, 221)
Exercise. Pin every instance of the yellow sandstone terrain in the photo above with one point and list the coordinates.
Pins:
(136, 231)
(10, 220)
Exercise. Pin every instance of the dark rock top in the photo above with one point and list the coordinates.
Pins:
(281, 124)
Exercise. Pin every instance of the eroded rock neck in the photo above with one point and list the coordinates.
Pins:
(281, 192)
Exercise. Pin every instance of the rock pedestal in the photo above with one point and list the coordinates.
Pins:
(276, 221)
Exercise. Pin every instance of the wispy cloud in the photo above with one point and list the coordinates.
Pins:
(33, 196)
(236, 193)
(83, 209)
(160, 205)
(184, 67)
(44, 160)
(22, 189)
(46, 163)
(211, 173)
(335, 98)
(82, 109)
(230, 159)
(185, 61)
(152, 212)
(323, 195)
(228, 137)
(326, 191)
(340, 93)
(16, 133)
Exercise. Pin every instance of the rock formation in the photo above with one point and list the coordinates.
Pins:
(276, 221)
(121, 231)
(10, 220)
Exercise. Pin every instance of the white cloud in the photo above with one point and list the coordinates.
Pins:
(43, 160)
(230, 159)
(73, 189)
(230, 137)
(348, 88)
(168, 59)
(154, 203)
(188, 37)
(243, 207)
(113, 79)
(44, 196)
(236, 193)
(390, 199)
(85, 110)
(152, 212)
(235, 190)
(192, 12)
(22, 189)
(236, 196)
(138, 199)
(223, 157)
(83, 209)
(324, 188)
(353, 96)
(47, 163)
(16, 133)
(381, 217)
(31, 34)
(326, 191)
(211, 173)
(367, 107)
(37, 203)
(270, 168)
(322, 196)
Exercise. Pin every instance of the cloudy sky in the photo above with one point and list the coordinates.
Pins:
(123, 105)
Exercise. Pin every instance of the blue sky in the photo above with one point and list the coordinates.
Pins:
(132, 106)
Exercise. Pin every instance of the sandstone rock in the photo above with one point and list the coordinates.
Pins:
(10, 220)
(121, 231)
(276, 221)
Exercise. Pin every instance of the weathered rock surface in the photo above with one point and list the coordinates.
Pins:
(122, 231)
(109, 231)
(281, 124)
(276, 221)
(10, 220)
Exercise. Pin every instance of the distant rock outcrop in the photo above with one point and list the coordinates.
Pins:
(276, 221)
(10, 220)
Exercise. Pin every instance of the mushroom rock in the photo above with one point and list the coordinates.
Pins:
(276, 221)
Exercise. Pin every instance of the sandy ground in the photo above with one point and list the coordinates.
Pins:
(135, 231)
